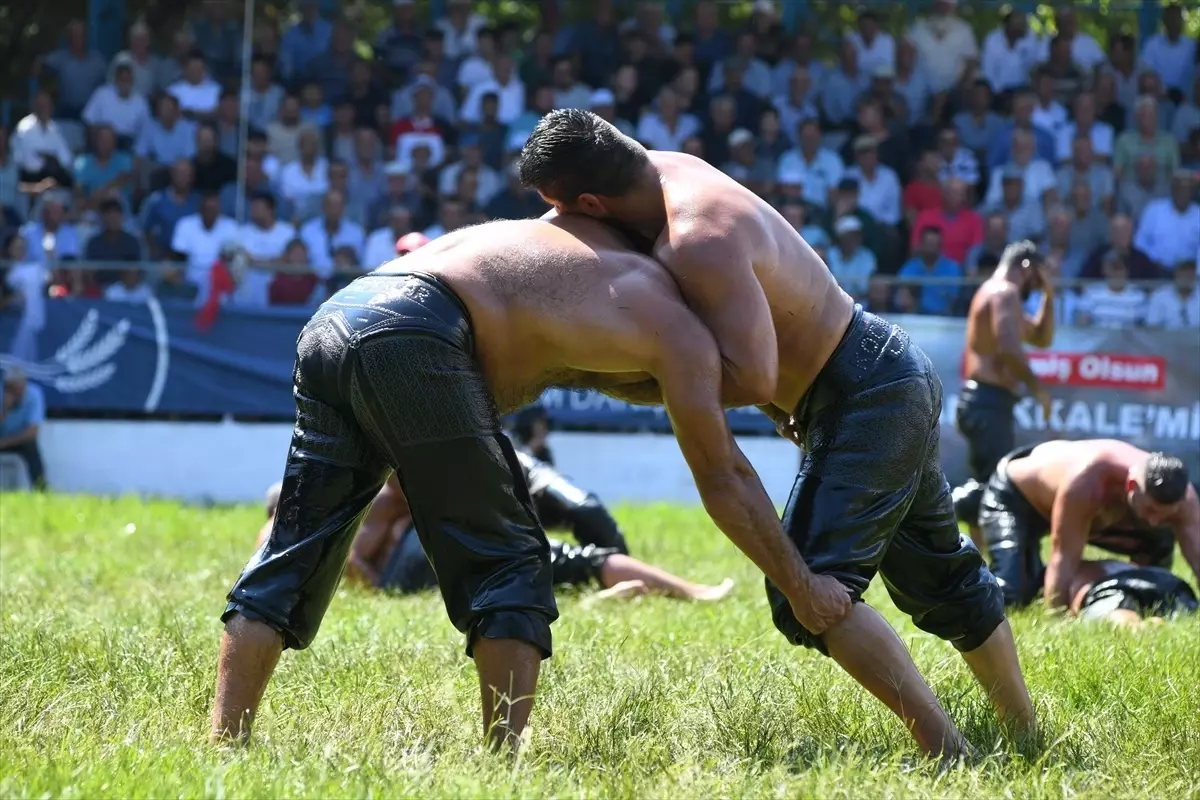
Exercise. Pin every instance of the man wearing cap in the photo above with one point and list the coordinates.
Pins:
(851, 263)
(878, 185)
(853, 391)
(1169, 230)
(813, 170)
(22, 413)
(744, 165)
(603, 103)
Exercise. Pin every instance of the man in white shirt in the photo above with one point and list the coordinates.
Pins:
(875, 48)
(304, 180)
(666, 128)
(1177, 307)
(1009, 54)
(1048, 114)
(1171, 53)
(945, 44)
(117, 105)
(568, 92)
(1038, 175)
(1085, 52)
(490, 182)
(505, 85)
(39, 147)
(1085, 123)
(878, 185)
(1169, 230)
(459, 28)
(198, 95)
(477, 68)
(810, 169)
(330, 231)
(199, 239)
(264, 239)
(1114, 303)
(381, 244)
(131, 288)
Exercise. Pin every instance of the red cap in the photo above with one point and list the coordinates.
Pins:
(410, 241)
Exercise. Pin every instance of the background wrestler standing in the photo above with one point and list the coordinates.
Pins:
(996, 365)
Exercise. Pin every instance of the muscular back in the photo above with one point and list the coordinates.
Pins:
(984, 360)
(707, 209)
(554, 303)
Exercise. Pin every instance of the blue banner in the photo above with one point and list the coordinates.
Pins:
(101, 356)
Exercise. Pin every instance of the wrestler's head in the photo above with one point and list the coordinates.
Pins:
(1156, 487)
(581, 164)
(1022, 263)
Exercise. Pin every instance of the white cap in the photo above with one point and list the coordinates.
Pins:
(601, 97)
(396, 168)
(790, 177)
(740, 136)
(848, 224)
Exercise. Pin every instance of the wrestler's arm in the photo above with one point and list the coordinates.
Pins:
(388, 506)
(1187, 531)
(1038, 331)
(1070, 522)
(712, 269)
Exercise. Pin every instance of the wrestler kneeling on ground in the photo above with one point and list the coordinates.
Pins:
(1103, 493)
(387, 554)
(1129, 596)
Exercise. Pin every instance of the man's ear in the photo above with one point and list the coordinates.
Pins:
(591, 205)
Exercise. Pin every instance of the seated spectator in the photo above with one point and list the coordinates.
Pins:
(227, 125)
(515, 201)
(1146, 139)
(771, 143)
(1187, 115)
(961, 226)
(568, 91)
(956, 161)
(25, 285)
(22, 414)
(1085, 53)
(398, 46)
(879, 296)
(1099, 134)
(945, 43)
(539, 60)
(1135, 193)
(170, 69)
(1057, 242)
(105, 173)
(357, 209)
(367, 98)
(694, 146)
(985, 256)
(1109, 109)
(197, 93)
(754, 74)
(842, 87)
(1120, 240)
(924, 192)
(173, 285)
(912, 82)
(142, 62)
(314, 108)
(1150, 85)
(928, 262)
(53, 238)
(1169, 229)
(904, 300)
(118, 105)
(40, 148)
(1066, 79)
(507, 87)
(875, 48)
(422, 127)
(79, 69)
(471, 151)
(365, 166)
(747, 106)
(1177, 306)
(162, 210)
(799, 56)
(797, 216)
(307, 39)
(1025, 220)
(602, 103)
(256, 183)
(324, 234)
(541, 103)
(1082, 168)
(452, 215)
(1048, 114)
(1113, 303)
(198, 240)
(459, 28)
(397, 191)
(305, 180)
(493, 134)
(891, 142)
(721, 122)
(1010, 53)
(298, 285)
(851, 264)
(283, 135)
(263, 241)
(219, 38)
(130, 287)
(878, 186)
(380, 247)
(1089, 228)
(666, 126)
(443, 104)
(1037, 176)
(213, 169)
(978, 125)
(1171, 53)
(12, 203)
(1024, 104)
(745, 166)
(809, 169)
(113, 244)
(263, 95)
(798, 105)
(162, 142)
(477, 67)
(332, 68)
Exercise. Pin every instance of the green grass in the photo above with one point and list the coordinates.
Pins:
(108, 636)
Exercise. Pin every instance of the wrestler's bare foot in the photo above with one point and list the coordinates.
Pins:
(711, 594)
(623, 591)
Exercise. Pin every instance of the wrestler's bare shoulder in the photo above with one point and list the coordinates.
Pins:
(700, 195)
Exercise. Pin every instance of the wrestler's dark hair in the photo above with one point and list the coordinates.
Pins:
(572, 152)
(1017, 252)
(1166, 479)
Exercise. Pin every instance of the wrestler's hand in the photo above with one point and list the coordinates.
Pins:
(786, 427)
(825, 604)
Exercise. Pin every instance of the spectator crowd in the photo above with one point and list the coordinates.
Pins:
(908, 161)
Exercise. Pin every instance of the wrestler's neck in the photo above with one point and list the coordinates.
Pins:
(644, 210)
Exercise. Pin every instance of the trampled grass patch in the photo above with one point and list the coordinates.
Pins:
(109, 630)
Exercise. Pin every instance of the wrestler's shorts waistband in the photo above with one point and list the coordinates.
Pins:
(989, 392)
(1015, 455)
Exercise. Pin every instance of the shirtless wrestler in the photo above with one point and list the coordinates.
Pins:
(1098, 492)
(1130, 596)
(407, 370)
(996, 366)
(854, 391)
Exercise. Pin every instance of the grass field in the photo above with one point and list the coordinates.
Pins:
(107, 661)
